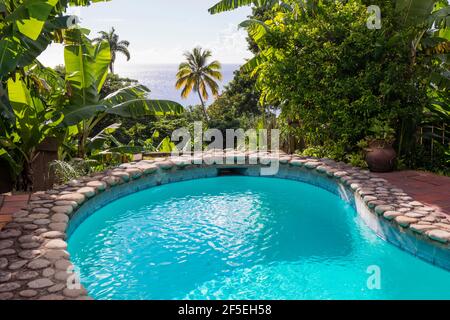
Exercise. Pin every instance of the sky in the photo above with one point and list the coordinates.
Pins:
(160, 31)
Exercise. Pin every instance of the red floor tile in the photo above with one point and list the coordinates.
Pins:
(17, 198)
(14, 204)
(428, 188)
(9, 210)
(10, 204)
(5, 218)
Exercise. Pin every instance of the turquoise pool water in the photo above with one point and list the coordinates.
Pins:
(243, 238)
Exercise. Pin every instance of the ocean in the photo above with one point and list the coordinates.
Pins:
(160, 79)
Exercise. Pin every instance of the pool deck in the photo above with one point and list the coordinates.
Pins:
(9, 204)
(428, 188)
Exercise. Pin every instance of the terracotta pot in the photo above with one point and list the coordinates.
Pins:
(380, 156)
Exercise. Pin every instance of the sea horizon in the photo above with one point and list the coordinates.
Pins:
(160, 79)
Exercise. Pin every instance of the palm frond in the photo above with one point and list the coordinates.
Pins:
(124, 51)
(203, 91)
(188, 87)
(212, 85)
(215, 65)
(124, 43)
(214, 74)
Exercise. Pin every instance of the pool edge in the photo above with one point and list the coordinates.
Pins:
(38, 233)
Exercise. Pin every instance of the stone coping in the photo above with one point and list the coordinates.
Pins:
(35, 264)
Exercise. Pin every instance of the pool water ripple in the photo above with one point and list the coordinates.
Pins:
(242, 238)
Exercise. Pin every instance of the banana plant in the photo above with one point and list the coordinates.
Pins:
(87, 66)
(35, 120)
(432, 20)
(27, 28)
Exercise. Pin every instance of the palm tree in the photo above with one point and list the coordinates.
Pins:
(116, 46)
(198, 74)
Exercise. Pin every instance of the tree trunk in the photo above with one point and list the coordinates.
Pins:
(25, 180)
(203, 105)
(81, 147)
(111, 67)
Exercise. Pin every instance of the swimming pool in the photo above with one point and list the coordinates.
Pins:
(243, 238)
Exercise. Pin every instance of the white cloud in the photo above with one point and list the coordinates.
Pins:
(230, 46)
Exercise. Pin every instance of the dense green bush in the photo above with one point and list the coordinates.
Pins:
(335, 77)
(238, 106)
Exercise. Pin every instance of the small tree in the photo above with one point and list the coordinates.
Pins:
(115, 45)
(198, 75)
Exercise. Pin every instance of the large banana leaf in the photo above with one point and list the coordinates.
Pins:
(441, 109)
(38, 11)
(129, 102)
(19, 51)
(29, 27)
(251, 65)
(414, 12)
(8, 49)
(229, 5)
(33, 120)
(74, 114)
(128, 93)
(30, 15)
(440, 18)
(143, 107)
(257, 29)
(86, 67)
(20, 96)
(98, 141)
(132, 102)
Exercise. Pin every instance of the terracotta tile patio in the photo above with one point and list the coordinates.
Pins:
(10, 204)
(428, 188)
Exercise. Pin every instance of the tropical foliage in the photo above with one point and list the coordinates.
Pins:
(26, 30)
(27, 112)
(238, 106)
(333, 77)
(86, 72)
(67, 104)
(319, 74)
